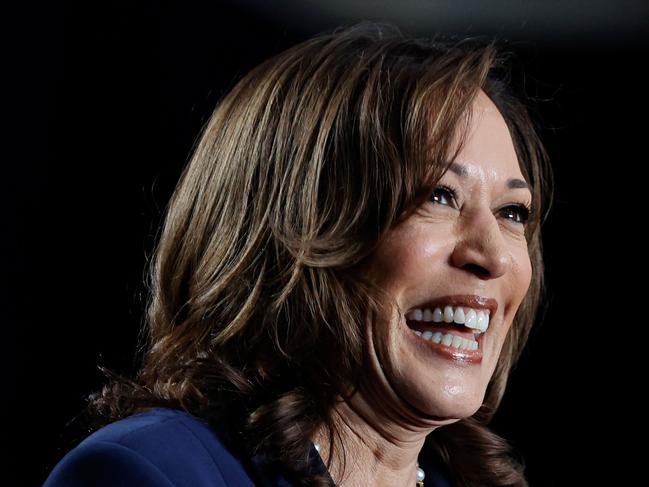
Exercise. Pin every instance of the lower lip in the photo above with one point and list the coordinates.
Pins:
(450, 353)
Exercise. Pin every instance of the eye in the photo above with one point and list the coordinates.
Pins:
(444, 195)
(517, 213)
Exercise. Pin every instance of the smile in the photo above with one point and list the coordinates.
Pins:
(449, 342)
(453, 327)
(457, 327)
(449, 338)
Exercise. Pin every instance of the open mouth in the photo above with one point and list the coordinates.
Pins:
(451, 335)
(453, 326)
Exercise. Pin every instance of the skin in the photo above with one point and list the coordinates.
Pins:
(467, 246)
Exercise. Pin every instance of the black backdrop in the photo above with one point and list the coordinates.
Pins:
(110, 99)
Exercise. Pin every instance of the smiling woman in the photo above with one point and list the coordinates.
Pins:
(348, 270)
(460, 266)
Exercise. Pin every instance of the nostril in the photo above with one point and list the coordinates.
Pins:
(477, 269)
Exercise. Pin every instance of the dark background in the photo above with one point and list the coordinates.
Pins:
(108, 99)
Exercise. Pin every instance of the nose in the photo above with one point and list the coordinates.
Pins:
(481, 248)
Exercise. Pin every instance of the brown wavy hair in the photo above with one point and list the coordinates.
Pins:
(257, 298)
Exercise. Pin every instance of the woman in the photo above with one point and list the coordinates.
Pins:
(348, 270)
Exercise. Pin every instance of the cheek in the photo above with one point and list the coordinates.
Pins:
(407, 257)
(517, 287)
(523, 271)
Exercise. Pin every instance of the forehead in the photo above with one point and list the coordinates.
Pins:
(488, 153)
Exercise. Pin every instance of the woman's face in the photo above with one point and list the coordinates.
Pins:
(455, 250)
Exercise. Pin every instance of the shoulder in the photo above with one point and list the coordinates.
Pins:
(161, 447)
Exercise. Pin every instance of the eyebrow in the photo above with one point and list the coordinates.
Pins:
(512, 183)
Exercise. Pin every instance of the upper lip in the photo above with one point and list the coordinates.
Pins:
(468, 300)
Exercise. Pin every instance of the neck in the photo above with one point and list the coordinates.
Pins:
(377, 451)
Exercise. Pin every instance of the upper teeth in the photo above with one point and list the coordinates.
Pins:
(476, 319)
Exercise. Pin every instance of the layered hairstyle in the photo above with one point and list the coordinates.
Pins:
(257, 290)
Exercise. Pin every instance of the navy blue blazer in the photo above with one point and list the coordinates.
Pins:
(170, 448)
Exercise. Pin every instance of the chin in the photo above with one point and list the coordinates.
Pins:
(452, 404)
(458, 409)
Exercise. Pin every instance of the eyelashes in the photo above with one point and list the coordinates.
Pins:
(518, 213)
(440, 190)
(523, 211)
